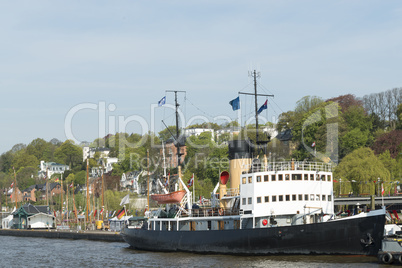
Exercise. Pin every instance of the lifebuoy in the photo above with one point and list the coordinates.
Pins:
(220, 211)
(387, 258)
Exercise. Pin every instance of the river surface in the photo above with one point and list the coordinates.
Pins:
(43, 252)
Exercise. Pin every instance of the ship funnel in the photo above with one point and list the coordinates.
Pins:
(240, 153)
(224, 177)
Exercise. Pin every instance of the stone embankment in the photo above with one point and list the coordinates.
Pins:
(65, 234)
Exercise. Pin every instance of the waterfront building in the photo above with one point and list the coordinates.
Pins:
(33, 217)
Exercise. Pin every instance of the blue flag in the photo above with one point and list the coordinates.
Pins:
(162, 101)
(235, 104)
(263, 107)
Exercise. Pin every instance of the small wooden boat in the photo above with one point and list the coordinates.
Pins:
(170, 198)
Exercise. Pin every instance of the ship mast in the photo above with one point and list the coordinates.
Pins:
(256, 75)
(61, 194)
(103, 197)
(179, 154)
(164, 160)
(87, 210)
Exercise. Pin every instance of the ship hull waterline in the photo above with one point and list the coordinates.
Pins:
(359, 236)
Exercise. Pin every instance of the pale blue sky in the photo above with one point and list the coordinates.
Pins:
(55, 55)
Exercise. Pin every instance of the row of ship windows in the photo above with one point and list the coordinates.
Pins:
(286, 177)
(288, 197)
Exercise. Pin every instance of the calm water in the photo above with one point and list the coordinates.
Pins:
(41, 252)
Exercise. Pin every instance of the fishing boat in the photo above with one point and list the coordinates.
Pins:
(263, 207)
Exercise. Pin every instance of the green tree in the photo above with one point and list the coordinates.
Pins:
(70, 178)
(26, 177)
(6, 161)
(399, 116)
(307, 103)
(80, 178)
(69, 153)
(353, 140)
(390, 163)
(167, 133)
(41, 149)
(23, 159)
(314, 127)
(360, 170)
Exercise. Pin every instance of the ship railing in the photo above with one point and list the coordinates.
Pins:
(209, 212)
(232, 191)
(287, 166)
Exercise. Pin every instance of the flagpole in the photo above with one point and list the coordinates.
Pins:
(193, 189)
(94, 204)
(148, 178)
(61, 182)
(47, 192)
(15, 189)
(74, 207)
(67, 189)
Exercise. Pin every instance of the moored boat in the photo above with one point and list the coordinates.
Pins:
(266, 208)
(269, 208)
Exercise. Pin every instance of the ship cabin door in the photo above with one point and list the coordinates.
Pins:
(221, 225)
(192, 226)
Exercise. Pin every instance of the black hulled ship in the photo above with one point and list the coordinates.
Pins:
(267, 208)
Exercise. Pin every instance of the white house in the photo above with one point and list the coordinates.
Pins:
(109, 163)
(41, 221)
(7, 222)
(88, 152)
(51, 168)
(131, 180)
(197, 131)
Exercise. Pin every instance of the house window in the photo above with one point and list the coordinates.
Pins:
(293, 197)
(306, 177)
(329, 198)
(300, 197)
(317, 178)
(266, 178)
(311, 177)
(312, 197)
(274, 198)
(250, 200)
(322, 177)
(243, 201)
(287, 177)
(273, 177)
(250, 179)
(323, 197)
(287, 197)
(258, 178)
(280, 177)
(244, 180)
(266, 199)
(281, 198)
(259, 200)
(306, 197)
(329, 178)
(317, 197)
